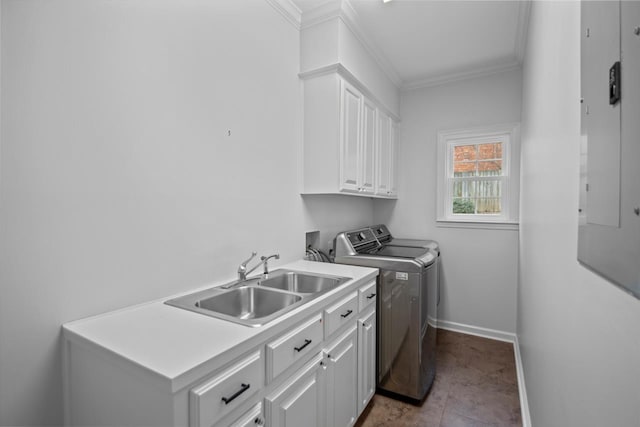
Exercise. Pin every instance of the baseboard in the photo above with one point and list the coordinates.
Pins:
(522, 389)
(499, 336)
(477, 330)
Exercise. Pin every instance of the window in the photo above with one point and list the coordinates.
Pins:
(478, 176)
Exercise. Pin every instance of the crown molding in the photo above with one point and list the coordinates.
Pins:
(350, 18)
(323, 71)
(288, 10)
(324, 12)
(343, 10)
(472, 73)
(524, 11)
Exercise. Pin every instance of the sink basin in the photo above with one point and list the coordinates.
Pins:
(302, 283)
(248, 302)
(256, 301)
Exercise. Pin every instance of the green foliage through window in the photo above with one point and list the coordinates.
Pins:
(462, 206)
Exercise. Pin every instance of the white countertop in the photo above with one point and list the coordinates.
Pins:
(173, 342)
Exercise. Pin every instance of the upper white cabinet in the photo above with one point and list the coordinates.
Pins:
(383, 184)
(350, 137)
(386, 156)
(368, 141)
(393, 156)
(349, 142)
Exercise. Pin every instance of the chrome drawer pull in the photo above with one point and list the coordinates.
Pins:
(228, 400)
(371, 296)
(346, 314)
(306, 343)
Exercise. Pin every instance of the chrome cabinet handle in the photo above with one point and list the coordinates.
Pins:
(346, 314)
(243, 388)
(306, 343)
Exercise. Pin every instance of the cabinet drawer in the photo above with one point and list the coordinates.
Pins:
(293, 345)
(224, 392)
(367, 295)
(251, 418)
(340, 313)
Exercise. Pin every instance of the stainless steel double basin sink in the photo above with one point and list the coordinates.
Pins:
(256, 301)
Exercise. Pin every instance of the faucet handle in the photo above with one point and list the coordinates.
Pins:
(242, 268)
(253, 255)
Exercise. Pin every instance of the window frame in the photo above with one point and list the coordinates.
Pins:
(508, 134)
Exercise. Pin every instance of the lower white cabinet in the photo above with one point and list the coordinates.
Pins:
(300, 400)
(317, 372)
(251, 418)
(340, 314)
(342, 380)
(293, 346)
(366, 358)
(218, 396)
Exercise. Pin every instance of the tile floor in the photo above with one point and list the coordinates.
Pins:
(475, 386)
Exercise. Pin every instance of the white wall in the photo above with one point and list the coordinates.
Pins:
(119, 182)
(479, 266)
(332, 214)
(579, 335)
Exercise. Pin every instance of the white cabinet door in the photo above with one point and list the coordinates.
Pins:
(393, 160)
(350, 120)
(366, 358)
(300, 401)
(368, 147)
(383, 185)
(387, 151)
(342, 368)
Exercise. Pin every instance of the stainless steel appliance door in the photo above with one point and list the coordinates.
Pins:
(399, 337)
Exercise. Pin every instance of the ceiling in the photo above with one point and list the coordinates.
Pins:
(425, 42)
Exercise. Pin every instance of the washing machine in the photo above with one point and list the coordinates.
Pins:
(407, 310)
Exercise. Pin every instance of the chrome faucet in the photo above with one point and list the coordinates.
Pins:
(263, 261)
(242, 268)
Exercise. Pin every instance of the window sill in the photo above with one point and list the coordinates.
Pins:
(512, 225)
